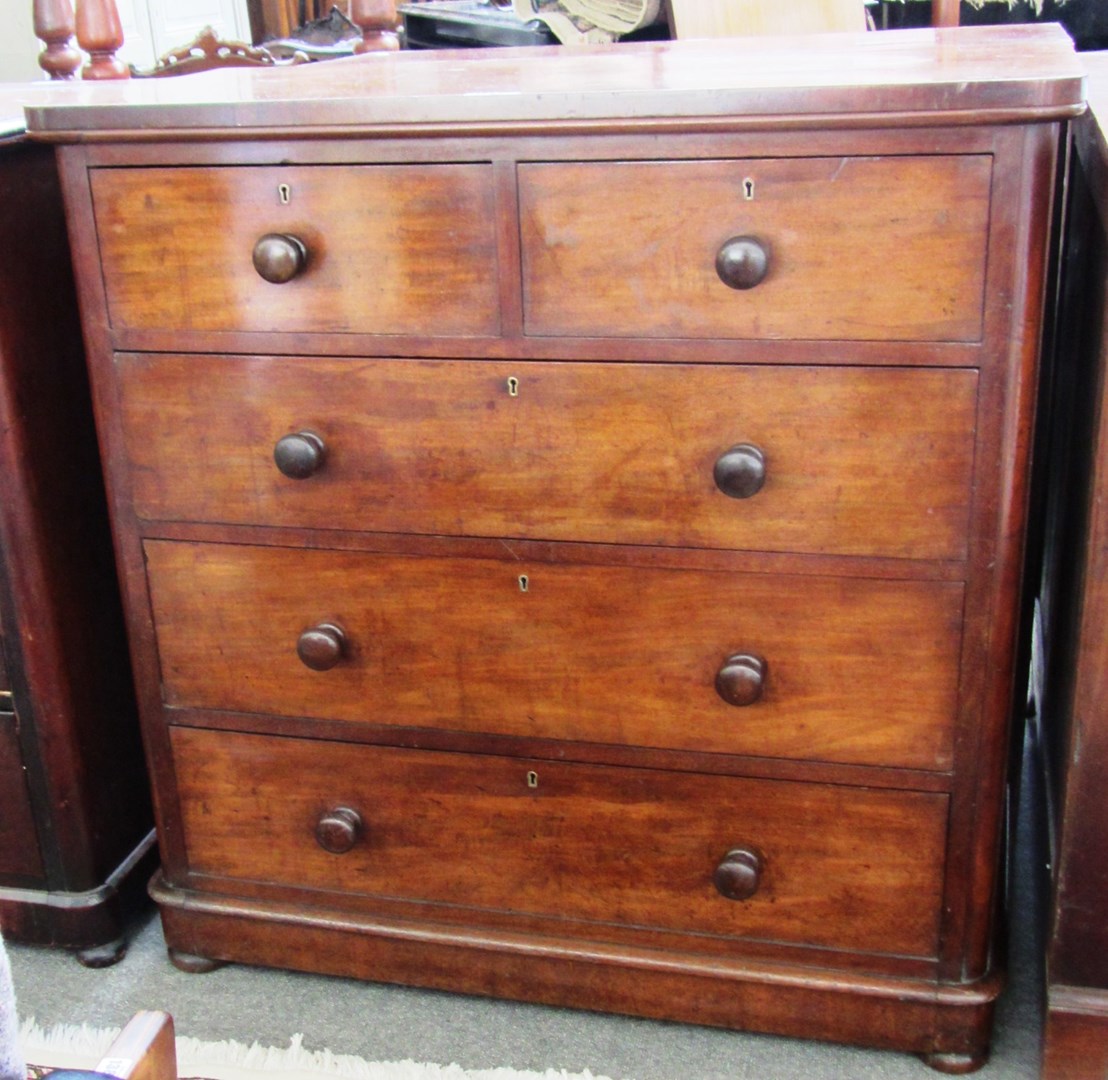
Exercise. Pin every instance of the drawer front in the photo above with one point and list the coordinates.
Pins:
(876, 249)
(829, 866)
(854, 670)
(855, 461)
(389, 249)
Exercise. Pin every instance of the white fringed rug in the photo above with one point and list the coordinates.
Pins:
(81, 1047)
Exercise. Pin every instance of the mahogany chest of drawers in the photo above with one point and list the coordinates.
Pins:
(570, 506)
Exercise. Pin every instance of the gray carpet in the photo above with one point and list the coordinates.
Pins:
(387, 1023)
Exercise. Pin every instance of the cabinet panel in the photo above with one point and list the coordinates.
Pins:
(593, 653)
(854, 460)
(386, 249)
(878, 249)
(836, 867)
(19, 851)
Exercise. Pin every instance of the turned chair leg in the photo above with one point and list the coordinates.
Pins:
(54, 26)
(377, 20)
(100, 34)
(945, 12)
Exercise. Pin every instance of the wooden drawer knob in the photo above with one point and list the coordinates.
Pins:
(742, 679)
(279, 257)
(339, 830)
(742, 262)
(739, 874)
(321, 647)
(301, 455)
(741, 471)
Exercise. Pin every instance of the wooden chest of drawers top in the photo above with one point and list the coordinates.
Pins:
(963, 76)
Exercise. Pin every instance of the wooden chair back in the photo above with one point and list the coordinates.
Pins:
(99, 33)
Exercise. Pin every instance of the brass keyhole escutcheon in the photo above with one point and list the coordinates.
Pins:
(532, 779)
(513, 386)
(524, 583)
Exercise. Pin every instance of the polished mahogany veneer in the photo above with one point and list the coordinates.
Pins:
(76, 830)
(1071, 592)
(571, 509)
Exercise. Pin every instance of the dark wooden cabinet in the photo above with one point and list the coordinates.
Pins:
(1071, 644)
(75, 820)
(571, 510)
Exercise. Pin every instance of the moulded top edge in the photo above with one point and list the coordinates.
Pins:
(991, 70)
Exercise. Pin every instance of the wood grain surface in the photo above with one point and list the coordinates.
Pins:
(859, 461)
(390, 249)
(592, 653)
(962, 76)
(629, 846)
(20, 858)
(860, 248)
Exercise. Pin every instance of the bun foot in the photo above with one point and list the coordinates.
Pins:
(102, 956)
(956, 1064)
(192, 965)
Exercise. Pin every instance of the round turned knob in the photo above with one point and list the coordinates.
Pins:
(339, 830)
(742, 262)
(279, 257)
(739, 874)
(299, 456)
(742, 679)
(321, 647)
(741, 471)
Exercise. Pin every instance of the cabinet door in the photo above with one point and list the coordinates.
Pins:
(19, 854)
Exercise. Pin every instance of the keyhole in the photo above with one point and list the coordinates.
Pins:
(532, 779)
(524, 582)
(284, 193)
(748, 188)
(513, 386)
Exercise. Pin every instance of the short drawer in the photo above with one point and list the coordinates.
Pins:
(852, 670)
(386, 249)
(853, 460)
(880, 249)
(806, 864)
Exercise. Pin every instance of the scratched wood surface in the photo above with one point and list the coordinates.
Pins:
(858, 248)
(590, 653)
(390, 249)
(858, 461)
(628, 846)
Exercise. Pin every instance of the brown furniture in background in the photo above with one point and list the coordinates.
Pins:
(572, 540)
(96, 27)
(1071, 672)
(145, 1049)
(76, 840)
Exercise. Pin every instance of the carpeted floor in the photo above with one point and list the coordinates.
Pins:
(384, 1023)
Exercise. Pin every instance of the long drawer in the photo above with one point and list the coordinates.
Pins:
(842, 670)
(841, 460)
(386, 249)
(801, 863)
(881, 249)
